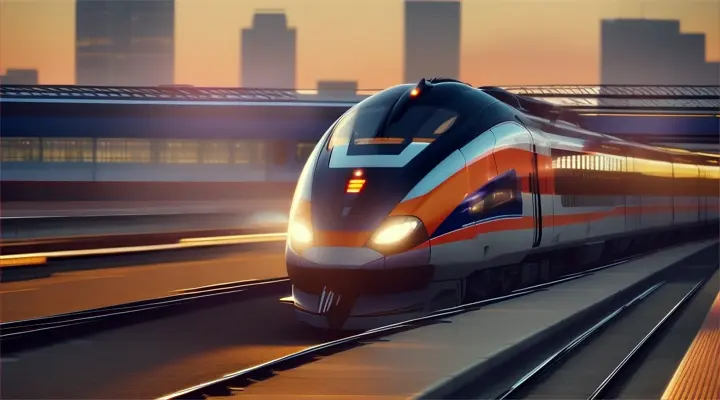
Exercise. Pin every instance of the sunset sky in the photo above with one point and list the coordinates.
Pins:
(504, 41)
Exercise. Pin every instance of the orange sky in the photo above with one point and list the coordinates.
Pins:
(504, 41)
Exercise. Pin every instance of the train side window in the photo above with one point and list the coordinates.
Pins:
(249, 152)
(661, 169)
(115, 150)
(215, 152)
(67, 150)
(179, 151)
(20, 149)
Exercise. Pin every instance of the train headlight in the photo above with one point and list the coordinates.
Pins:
(299, 233)
(395, 231)
(397, 234)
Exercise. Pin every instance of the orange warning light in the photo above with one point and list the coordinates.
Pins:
(358, 173)
(414, 92)
(355, 185)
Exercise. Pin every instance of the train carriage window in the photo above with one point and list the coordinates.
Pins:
(20, 149)
(67, 150)
(682, 170)
(242, 152)
(712, 172)
(662, 169)
(112, 150)
(179, 151)
(249, 152)
(215, 152)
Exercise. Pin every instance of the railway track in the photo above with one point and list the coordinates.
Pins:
(21, 335)
(601, 359)
(233, 382)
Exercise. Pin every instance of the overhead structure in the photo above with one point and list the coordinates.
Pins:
(684, 100)
(164, 93)
(673, 100)
(668, 114)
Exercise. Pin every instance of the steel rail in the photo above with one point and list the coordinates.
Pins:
(245, 377)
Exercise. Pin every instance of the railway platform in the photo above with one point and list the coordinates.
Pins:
(44, 209)
(41, 220)
(437, 360)
(698, 375)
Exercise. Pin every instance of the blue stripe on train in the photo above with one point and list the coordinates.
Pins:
(463, 216)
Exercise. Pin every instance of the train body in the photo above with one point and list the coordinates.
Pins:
(423, 196)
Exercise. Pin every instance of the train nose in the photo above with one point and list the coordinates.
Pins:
(332, 284)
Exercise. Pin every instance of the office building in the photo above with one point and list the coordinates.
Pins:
(653, 52)
(432, 39)
(269, 52)
(125, 42)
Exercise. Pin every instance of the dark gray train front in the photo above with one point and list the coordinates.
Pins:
(355, 259)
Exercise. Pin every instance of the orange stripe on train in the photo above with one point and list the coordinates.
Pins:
(433, 207)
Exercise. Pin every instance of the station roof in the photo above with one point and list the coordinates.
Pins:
(628, 99)
(611, 99)
(178, 93)
(673, 113)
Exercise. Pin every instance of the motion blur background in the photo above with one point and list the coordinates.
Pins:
(501, 42)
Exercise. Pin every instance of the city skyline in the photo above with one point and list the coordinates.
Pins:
(530, 51)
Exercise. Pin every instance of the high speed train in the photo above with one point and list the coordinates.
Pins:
(424, 196)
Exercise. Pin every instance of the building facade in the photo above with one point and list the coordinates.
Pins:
(17, 76)
(653, 52)
(269, 52)
(125, 42)
(432, 39)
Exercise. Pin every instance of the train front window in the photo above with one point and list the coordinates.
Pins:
(367, 126)
(420, 124)
(357, 121)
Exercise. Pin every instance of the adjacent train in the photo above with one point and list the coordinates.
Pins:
(424, 196)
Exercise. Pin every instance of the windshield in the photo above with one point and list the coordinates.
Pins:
(419, 123)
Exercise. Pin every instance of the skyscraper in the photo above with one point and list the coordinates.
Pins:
(125, 42)
(653, 52)
(432, 39)
(17, 76)
(269, 52)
